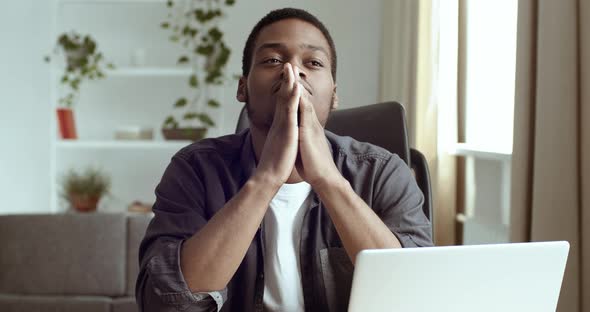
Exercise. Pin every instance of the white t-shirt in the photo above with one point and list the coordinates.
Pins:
(282, 226)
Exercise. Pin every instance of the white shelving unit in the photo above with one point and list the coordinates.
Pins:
(148, 72)
(129, 95)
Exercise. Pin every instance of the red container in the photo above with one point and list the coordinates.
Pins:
(67, 127)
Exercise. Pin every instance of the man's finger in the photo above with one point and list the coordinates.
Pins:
(293, 104)
(290, 79)
(295, 75)
(306, 111)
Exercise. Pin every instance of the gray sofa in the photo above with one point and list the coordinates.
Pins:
(70, 262)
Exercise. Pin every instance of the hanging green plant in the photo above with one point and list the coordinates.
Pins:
(83, 61)
(195, 25)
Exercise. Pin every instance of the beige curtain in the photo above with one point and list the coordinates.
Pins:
(413, 64)
(551, 154)
(399, 55)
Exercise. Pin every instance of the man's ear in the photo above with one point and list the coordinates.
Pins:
(242, 93)
(334, 100)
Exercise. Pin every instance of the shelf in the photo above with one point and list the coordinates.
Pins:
(121, 144)
(148, 72)
(464, 149)
(110, 1)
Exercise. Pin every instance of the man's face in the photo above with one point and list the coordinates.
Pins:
(296, 42)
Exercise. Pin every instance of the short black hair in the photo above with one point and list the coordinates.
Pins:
(278, 15)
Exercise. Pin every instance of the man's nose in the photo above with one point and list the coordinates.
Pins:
(302, 73)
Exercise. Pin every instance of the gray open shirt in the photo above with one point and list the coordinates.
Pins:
(205, 175)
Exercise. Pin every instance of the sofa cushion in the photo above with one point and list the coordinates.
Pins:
(63, 254)
(19, 303)
(124, 304)
(136, 226)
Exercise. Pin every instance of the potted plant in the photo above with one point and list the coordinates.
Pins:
(84, 190)
(83, 62)
(195, 25)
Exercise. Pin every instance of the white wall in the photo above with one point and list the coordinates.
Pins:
(26, 112)
(355, 27)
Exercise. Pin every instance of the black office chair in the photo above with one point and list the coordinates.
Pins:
(384, 125)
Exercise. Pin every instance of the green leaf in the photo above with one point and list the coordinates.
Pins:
(203, 17)
(183, 59)
(215, 34)
(165, 25)
(169, 3)
(186, 30)
(213, 103)
(200, 15)
(205, 119)
(212, 76)
(170, 122)
(190, 116)
(230, 2)
(223, 57)
(180, 102)
(204, 50)
(193, 81)
(174, 38)
(75, 84)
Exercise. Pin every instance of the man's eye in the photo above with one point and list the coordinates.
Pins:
(316, 63)
(272, 61)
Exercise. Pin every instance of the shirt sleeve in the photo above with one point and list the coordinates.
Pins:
(178, 214)
(398, 201)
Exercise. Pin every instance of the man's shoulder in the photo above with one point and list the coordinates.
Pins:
(350, 148)
(224, 146)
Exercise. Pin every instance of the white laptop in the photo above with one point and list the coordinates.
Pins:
(503, 277)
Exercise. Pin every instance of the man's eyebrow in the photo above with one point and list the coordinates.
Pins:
(314, 48)
(282, 46)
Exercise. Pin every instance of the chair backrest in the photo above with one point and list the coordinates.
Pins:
(382, 124)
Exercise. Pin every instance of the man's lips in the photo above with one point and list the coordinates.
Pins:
(277, 86)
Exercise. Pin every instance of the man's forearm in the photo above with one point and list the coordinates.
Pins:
(356, 223)
(210, 258)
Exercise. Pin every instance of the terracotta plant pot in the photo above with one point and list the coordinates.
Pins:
(67, 126)
(84, 203)
(192, 134)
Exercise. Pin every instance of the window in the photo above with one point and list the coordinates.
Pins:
(490, 63)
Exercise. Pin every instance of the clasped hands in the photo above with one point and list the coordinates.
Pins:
(296, 137)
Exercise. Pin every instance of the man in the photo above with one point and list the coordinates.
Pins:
(272, 218)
